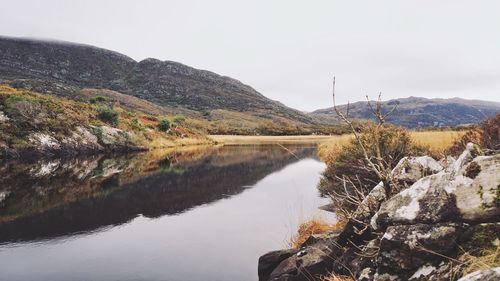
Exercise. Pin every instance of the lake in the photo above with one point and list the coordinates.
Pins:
(200, 213)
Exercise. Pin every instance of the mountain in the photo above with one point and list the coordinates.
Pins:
(65, 69)
(416, 112)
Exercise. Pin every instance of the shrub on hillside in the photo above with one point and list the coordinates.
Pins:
(25, 111)
(486, 135)
(97, 99)
(164, 125)
(108, 115)
(179, 119)
(348, 162)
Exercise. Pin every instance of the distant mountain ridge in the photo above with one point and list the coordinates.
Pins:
(65, 68)
(414, 112)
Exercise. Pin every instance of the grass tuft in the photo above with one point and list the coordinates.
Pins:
(315, 225)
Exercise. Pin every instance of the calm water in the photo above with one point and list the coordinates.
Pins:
(196, 214)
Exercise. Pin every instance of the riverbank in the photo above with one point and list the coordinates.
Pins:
(442, 226)
(410, 210)
(36, 125)
(312, 139)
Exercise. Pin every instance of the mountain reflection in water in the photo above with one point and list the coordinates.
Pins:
(58, 197)
(162, 215)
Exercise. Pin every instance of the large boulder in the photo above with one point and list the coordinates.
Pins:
(405, 249)
(492, 274)
(467, 193)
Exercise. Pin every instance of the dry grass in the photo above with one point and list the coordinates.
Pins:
(437, 141)
(336, 277)
(315, 225)
(489, 259)
(328, 149)
(237, 139)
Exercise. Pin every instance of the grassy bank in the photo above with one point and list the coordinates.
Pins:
(25, 113)
(237, 139)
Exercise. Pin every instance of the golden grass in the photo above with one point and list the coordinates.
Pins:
(436, 141)
(315, 225)
(489, 259)
(237, 139)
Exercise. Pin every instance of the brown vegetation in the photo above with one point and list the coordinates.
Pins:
(486, 135)
(315, 225)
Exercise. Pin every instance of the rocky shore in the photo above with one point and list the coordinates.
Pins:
(446, 211)
(83, 141)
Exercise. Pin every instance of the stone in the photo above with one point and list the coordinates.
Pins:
(426, 201)
(307, 264)
(44, 141)
(269, 261)
(404, 249)
(429, 272)
(411, 169)
(3, 117)
(492, 274)
(479, 201)
(466, 193)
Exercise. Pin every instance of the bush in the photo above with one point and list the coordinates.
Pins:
(108, 115)
(486, 135)
(164, 125)
(179, 119)
(97, 99)
(26, 112)
(349, 162)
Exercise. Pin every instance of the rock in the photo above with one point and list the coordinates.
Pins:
(3, 196)
(411, 169)
(371, 204)
(492, 274)
(269, 261)
(44, 142)
(468, 193)
(429, 272)
(325, 238)
(307, 264)
(3, 117)
(471, 151)
(82, 140)
(406, 248)
(330, 207)
(479, 201)
(426, 201)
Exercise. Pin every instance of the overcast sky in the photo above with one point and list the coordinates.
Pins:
(289, 50)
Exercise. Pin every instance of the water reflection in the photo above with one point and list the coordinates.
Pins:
(192, 215)
(59, 197)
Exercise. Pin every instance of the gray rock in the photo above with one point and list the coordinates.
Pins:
(478, 201)
(44, 142)
(411, 169)
(406, 248)
(465, 193)
(307, 264)
(3, 117)
(492, 274)
(269, 261)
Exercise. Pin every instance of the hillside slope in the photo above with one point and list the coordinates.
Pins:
(65, 69)
(416, 112)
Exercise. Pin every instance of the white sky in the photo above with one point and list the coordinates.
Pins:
(289, 50)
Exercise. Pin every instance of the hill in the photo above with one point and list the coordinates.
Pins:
(67, 69)
(414, 112)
